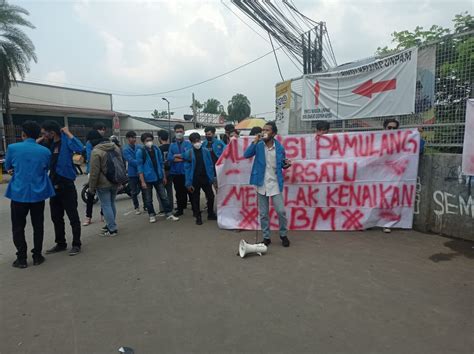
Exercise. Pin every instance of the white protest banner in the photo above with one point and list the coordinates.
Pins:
(468, 147)
(346, 181)
(380, 88)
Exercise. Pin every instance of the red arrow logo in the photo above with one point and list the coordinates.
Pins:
(368, 88)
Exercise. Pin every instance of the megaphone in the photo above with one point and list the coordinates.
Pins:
(246, 248)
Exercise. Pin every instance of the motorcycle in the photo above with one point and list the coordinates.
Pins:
(123, 189)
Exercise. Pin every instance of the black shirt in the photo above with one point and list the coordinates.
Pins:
(213, 154)
(164, 150)
(153, 159)
(200, 175)
(55, 178)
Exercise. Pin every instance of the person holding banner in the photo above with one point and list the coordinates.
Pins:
(267, 175)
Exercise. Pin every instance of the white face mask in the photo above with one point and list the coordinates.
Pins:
(197, 145)
(179, 136)
(149, 144)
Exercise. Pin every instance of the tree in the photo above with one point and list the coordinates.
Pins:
(211, 106)
(16, 51)
(238, 108)
(161, 115)
(454, 70)
(197, 104)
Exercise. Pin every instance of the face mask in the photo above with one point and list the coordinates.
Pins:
(149, 144)
(179, 136)
(197, 145)
(265, 136)
(209, 138)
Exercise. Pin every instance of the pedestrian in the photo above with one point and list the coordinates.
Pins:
(175, 158)
(105, 155)
(163, 138)
(215, 146)
(28, 163)
(100, 128)
(129, 154)
(199, 169)
(267, 175)
(63, 146)
(152, 176)
(229, 129)
(390, 124)
(322, 128)
(78, 160)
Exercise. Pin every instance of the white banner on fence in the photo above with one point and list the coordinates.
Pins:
(346, 181)
(380, 88)
(468, 148)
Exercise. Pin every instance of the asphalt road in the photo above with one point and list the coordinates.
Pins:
(180, 288)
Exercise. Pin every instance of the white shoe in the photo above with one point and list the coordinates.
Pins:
(387, 230)
(152, 219)
(87, 222)
(172, 218)
(137, 211)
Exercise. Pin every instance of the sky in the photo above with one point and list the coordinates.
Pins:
(147, 46)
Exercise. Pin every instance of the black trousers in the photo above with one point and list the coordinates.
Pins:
(65, 200)
(19, 212)
(196, 198)
(181, 192)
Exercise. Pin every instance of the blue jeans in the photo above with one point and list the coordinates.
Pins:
(162, 197)
(107, 201)
(169, 192)
(263, 210)
(135, 188)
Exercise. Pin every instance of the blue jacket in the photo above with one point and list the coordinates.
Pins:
(89, 149)
(218, 146)
(177, 168)
(257, 176)
(190, 166)
(65, 167)
(30, 163)
(146, 167)
(130, 154)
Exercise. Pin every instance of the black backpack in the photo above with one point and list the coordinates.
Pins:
(116, 169)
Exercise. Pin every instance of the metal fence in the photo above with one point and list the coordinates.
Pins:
(443, 130)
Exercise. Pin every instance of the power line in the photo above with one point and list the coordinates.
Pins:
(276, 58)
(201, 82)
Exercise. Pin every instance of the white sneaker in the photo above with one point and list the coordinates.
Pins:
(387, 230)
(152, 219)
(172, 218)
(137, 211)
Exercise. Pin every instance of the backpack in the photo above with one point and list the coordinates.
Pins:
(116, 169)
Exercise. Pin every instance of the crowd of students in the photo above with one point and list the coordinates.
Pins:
(42, 168)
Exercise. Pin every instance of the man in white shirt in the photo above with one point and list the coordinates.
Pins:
(267, 175)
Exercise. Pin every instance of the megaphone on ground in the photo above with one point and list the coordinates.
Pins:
(246, 248)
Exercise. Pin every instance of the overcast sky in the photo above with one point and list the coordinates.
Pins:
(153, 46)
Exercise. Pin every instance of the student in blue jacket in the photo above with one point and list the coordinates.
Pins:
(199, 171)
(62, 173)
(30, 186)
(151, 170)
(175, 158)
(267, 175)
(130, 155)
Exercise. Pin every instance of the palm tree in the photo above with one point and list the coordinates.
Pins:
(16, 50)
(211, 106)
(238, 108)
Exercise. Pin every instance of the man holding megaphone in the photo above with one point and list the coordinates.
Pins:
(267, 175)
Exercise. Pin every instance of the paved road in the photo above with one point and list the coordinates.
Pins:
(178, 288)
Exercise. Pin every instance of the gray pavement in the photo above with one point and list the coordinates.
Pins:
(179, 288)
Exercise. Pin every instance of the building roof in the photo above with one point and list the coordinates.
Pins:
(39, 108)
(161, 123)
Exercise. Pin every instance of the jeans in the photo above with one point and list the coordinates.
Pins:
(263, 209)
(107, 201)
(135, 188)
(162, 196)
(65, 201)
(169, 192)
(19, 212)
(196, 199)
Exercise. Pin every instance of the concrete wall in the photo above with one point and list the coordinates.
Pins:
(445, 197)
(31, 93)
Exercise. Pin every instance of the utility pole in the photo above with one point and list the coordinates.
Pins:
(194, 112)
(169, 116)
